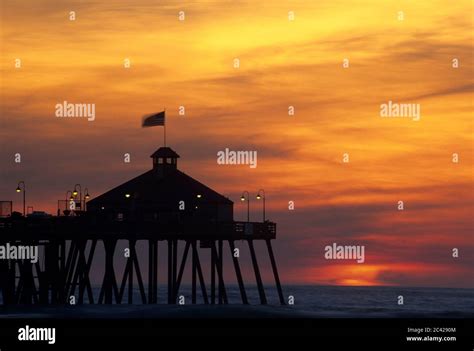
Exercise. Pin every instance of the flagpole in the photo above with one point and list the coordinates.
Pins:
(164, 125)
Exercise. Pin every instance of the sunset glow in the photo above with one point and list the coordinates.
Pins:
(283, 63)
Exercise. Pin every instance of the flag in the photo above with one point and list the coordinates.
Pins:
(156, 119)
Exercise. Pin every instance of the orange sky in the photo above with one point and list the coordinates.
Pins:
(282, 63)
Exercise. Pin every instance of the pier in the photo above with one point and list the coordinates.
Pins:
(163, 206)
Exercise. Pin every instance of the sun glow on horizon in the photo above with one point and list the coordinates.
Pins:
(283, 63)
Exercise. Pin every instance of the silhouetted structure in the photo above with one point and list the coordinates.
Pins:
(164, 194)
(163, 204)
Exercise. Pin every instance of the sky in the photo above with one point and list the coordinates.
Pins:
(400, 57)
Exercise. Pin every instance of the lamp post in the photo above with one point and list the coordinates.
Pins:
(74, 193)
(86, 197)
(243, 198)
(69, 198)
(19, 190)
(261, 195)
(198, 201)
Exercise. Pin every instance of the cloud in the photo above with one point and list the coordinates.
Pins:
(299, 157)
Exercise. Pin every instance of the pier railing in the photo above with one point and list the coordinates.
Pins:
(95, 227)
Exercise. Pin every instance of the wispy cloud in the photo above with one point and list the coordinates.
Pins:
(282, 63)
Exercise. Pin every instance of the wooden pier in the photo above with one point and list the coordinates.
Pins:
(70, 244)
(161, 206)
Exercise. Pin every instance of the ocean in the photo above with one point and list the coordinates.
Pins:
(310, 301)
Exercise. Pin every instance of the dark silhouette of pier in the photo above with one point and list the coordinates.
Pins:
(163, 206)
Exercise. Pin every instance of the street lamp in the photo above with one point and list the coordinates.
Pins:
(74, 193)
(261, 195)
(243, 198)
(69, 198)
(198, 196)
(86, 197)
(19, 190)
